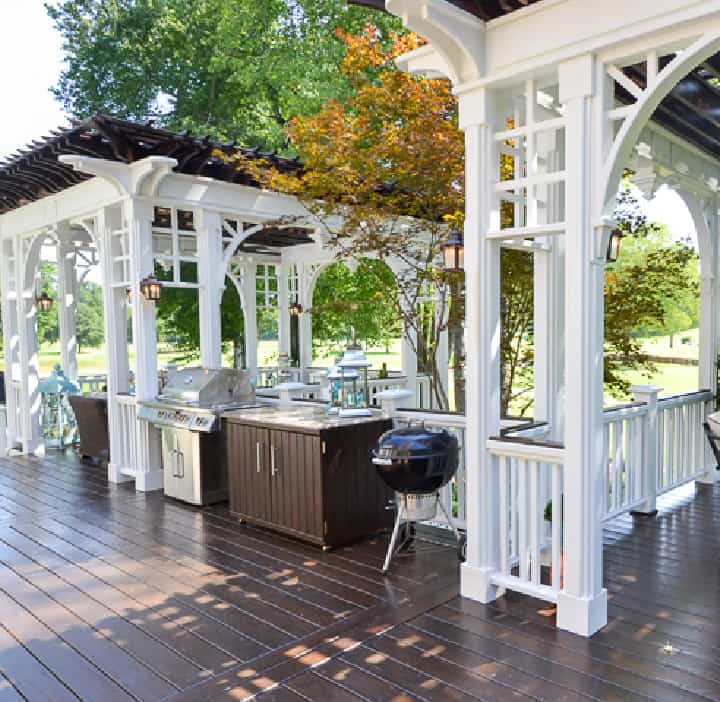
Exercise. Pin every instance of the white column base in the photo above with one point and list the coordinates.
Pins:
(33, 447)
(475, 584)
(581, 615)
(711, 477)
(149, 482)
(115, 475)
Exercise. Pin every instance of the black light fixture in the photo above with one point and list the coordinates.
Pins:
(44, 302)
(151, 288)
(296, 309)
(453, 251)
(613, 249)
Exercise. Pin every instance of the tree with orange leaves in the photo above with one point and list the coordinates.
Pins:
(383, 170)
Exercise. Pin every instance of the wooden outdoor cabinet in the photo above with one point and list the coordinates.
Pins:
(318, 486)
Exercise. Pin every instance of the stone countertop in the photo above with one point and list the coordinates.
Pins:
(298, 418)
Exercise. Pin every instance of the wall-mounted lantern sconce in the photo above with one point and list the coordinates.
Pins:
(296, 309)
(151, 288)
(613, 249)
(453, 251)
(44, 302)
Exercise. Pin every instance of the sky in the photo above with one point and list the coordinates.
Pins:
(30, 63)
(28, 69)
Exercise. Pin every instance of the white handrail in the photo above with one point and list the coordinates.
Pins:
(530, 476)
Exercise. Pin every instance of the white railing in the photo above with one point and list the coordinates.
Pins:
(530, 482)
(681, 453)
(453, 495)
(125, 447)
(92, 383)
(652, 446)
(623, 457)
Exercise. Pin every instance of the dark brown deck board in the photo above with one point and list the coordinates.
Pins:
(116, 595)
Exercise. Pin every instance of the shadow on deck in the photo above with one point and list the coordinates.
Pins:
(110, 595)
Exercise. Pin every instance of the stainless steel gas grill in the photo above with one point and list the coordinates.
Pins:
(188, 416)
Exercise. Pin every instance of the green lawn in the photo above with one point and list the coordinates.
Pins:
(92, 361)
(671, 377)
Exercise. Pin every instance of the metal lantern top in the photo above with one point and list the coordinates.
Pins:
(58, 383)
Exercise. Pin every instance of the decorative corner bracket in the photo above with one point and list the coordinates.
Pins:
(131, 179)
(457, 36)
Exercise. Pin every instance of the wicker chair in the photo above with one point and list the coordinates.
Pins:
(92, 422)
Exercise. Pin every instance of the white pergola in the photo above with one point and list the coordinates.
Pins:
(574, 91)
(205, 228)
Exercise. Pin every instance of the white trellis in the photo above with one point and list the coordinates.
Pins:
(540, 86)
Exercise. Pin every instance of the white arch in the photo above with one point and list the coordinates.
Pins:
(623, 144)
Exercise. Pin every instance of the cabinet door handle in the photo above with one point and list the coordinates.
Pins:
(273, 469)
(181, 464)
(257, 455)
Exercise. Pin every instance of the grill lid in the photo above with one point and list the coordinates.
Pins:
(209, 387)
(417, 442)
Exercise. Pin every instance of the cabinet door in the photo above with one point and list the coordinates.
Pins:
(169, 455)
(250, 472)
(295, 482)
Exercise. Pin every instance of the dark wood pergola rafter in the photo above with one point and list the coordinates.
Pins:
(35, 172)
(484, 9)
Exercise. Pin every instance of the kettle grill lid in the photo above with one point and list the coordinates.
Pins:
(416, 441)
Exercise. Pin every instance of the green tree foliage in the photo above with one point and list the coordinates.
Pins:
(179, 314)
(233, 70)
(363, 299)
(651, 289)
(654, 289)
(90, 331)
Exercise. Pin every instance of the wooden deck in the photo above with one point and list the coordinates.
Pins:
(106, 596)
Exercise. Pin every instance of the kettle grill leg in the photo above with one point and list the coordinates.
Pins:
(393, 538)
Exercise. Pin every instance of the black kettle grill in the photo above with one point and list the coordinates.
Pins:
(416, 462)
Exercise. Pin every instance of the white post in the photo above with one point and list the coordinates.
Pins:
(249, 288)
(482, 327)
(116, 343)
(548, 335)
(408, 360)
(649, 395)
(139, 216)
(708, 231)
(443, 354)
(31, 401)
(582, 604)
(393, 400)
(283, 310)
(305, 321)
(67, 307)
(11, 340)
(212, 281)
